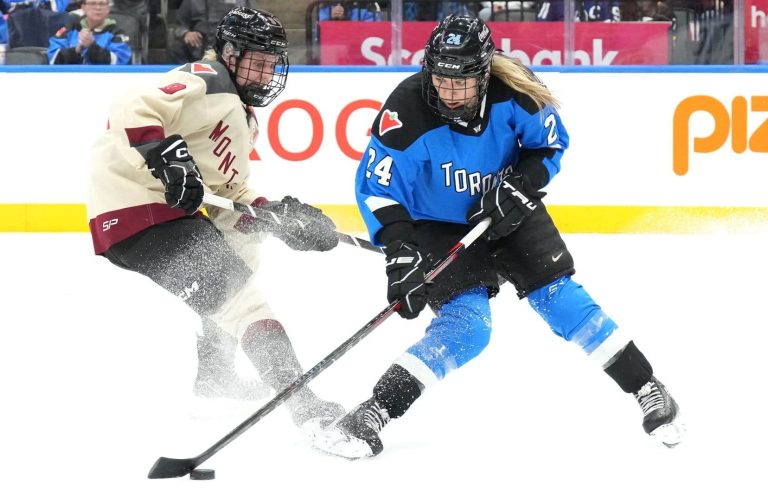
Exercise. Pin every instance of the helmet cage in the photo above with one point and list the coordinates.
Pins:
(243, 30)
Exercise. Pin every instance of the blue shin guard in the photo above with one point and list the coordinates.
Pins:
(461, 330)
(573, 315)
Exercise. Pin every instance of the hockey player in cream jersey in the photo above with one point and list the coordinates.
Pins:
(165, 147)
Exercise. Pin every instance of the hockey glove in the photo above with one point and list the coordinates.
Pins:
(300, 226)
(507, 205)
(406, 268)
(171, 163)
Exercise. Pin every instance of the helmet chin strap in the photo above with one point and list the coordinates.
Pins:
(478, 110)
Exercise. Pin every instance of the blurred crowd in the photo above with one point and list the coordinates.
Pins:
(177, 31)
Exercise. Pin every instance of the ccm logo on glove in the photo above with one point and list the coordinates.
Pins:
(170, 162)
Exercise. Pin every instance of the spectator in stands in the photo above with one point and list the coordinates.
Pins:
(93, 39)
(586, 11)
(648, 11)
(197, 21)
(54, 5)
(3, 25)
(505, 11)
(30, 25)
(350, 11)
(436, 10)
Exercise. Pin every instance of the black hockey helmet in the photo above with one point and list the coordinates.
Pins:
(459, 47)
(243, 29)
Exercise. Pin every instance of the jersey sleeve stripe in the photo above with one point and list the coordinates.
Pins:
(144, 134)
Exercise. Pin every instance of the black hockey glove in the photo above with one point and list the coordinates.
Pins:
(406, 267)
(171, 163)
(302, 227)
(507, 205)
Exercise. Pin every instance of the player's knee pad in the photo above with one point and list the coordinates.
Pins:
(202, 298)
(572, 313)
(461, 330)
(244, 307)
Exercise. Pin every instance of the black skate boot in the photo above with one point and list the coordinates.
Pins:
(660, 413)
(356, 435)
(217, 375)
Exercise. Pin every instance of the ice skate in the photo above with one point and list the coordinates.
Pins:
(660, 413)
(356, 435)
(217, 375)
(311, 413)
(227, 383)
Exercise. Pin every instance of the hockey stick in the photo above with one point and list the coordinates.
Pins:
(174, 467)
(221, 202)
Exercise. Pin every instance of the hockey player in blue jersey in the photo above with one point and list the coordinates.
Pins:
(475, 134)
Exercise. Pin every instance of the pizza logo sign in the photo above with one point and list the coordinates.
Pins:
(389, 121)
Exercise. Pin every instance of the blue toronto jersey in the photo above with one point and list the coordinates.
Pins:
(436, 170)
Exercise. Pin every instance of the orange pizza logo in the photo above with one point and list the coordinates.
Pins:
(733, 123)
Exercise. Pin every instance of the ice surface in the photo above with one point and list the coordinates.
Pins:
(97, 366)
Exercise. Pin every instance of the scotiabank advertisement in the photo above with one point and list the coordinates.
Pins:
(756, 31)
(534, 43)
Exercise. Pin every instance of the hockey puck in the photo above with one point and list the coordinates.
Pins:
(202, 474)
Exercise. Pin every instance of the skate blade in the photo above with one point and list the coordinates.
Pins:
(334, 442)
(670, 434)
(312, 428)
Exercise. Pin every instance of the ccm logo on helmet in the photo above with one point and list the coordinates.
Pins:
(240, 13)
(451, 66)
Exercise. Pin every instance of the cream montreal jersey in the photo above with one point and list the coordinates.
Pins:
(197, 101)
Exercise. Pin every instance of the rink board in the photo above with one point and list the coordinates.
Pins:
(653, 149)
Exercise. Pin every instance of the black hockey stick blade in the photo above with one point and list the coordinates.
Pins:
(173, 467)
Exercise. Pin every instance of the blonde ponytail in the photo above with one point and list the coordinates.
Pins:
(209, 55)
(520, 78)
